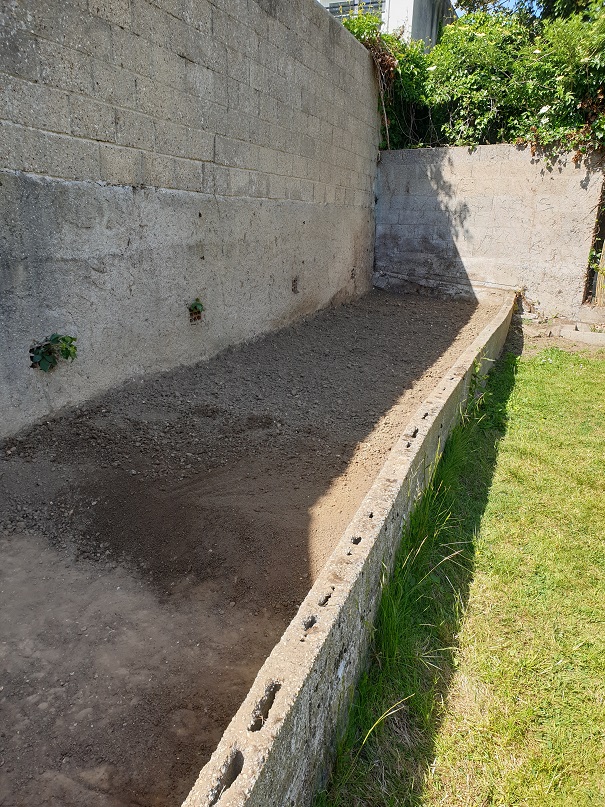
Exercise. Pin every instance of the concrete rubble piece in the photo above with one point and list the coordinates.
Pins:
(584, 335)
(278, 746)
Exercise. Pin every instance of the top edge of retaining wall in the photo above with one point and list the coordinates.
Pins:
(594, 161)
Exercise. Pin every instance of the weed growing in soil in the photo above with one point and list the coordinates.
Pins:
(46, 354)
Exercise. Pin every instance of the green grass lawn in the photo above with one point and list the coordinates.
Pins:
(487, 677)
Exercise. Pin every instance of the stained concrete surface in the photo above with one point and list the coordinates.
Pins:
(157, 152)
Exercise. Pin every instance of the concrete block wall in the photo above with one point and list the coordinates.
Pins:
(156, 151)
(453, 220)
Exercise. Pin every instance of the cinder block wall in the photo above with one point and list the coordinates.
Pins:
(156, 151)
(453, 220)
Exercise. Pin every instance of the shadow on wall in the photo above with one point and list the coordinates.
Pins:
(460, 219)
(420, 218)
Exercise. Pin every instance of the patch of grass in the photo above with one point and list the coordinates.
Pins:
(491, 632)
(526, 719)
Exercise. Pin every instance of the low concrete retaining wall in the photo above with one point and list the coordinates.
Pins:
(155, 152)
(453, 220)
(278, 747)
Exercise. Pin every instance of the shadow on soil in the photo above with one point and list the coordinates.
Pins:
(421, 615)
(158, 540)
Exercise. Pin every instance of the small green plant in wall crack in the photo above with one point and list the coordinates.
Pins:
(45, 355)
(195, 310)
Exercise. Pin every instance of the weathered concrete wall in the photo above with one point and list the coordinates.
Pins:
(452, 219)
(155, 151)
(277, 748)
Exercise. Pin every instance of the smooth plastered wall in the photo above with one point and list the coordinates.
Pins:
(452, 220)
(154, 152)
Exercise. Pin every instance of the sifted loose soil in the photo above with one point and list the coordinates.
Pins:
(156, 542)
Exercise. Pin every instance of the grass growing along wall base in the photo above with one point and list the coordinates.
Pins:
(487, 682)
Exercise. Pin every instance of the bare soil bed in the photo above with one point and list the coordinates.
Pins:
(156, 541)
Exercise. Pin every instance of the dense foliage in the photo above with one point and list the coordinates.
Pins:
(495, 77)
(543, 9)
(402, 70)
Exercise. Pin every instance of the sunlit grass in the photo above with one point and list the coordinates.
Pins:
(492, 630)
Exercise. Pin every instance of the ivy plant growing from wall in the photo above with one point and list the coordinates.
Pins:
(45, 355)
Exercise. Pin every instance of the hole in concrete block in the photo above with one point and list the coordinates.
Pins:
(349, 552)
(232, 771)
(295, 285)
(425, 416)
(357, 539)
(309, 622)
(263, 707)
(370, 515)
(325, 598)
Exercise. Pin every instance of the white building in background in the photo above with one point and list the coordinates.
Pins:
(420, 19)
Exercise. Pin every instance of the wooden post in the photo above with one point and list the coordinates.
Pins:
(599, 296)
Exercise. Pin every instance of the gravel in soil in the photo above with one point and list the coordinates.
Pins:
(156, 541)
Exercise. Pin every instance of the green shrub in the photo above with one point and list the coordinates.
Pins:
(472, 88)
(498, 77)
(402, 74)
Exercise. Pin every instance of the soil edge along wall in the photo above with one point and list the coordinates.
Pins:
(277, 748)
(154, 154)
